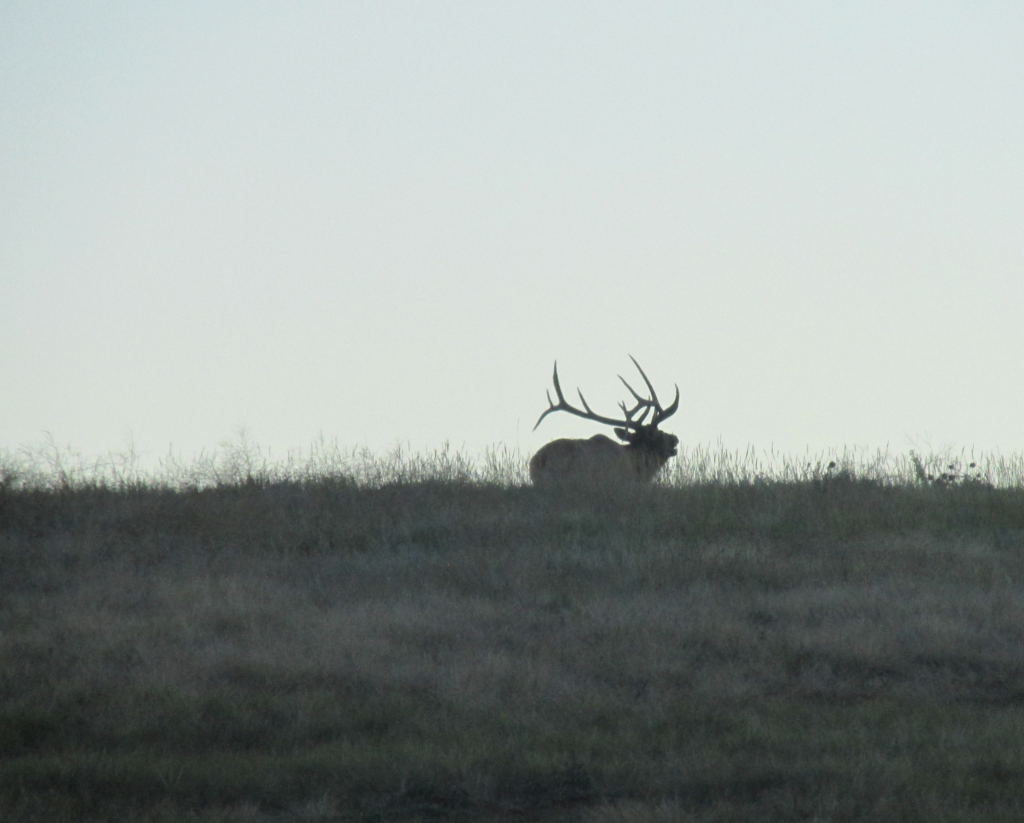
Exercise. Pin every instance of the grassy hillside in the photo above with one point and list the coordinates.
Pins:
(425, 637)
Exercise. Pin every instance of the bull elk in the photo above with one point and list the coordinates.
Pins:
(600, 458)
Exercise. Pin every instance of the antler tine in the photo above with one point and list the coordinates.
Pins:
(662, 415)
(650, 388)
(642, 400)
(558, 386)
(642, 404)
(583, 400)
(552, 406)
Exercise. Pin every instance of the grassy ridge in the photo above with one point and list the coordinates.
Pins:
(321, 647)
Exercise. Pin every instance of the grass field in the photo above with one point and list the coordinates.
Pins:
(427, 637)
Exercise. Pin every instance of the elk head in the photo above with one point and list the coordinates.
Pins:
(645, 449)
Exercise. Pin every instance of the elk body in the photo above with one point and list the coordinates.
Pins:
(640, 457)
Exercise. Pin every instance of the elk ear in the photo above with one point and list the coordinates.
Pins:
(622, 434)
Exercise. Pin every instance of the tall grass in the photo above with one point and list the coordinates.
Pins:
(342, 636)
(50, 466)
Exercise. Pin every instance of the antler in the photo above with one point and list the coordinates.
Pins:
(629, 423)
(645, 404)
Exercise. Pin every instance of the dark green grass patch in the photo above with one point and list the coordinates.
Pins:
(744, 753)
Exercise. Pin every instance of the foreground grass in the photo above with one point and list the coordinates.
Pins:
(320, 649)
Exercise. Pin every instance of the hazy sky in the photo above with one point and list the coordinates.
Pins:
(382, 221)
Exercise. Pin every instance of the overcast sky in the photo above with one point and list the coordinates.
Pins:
(383, 221)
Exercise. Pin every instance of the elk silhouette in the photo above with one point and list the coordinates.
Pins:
(600, 459)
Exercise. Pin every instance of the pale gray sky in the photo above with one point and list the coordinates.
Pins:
(382, 221)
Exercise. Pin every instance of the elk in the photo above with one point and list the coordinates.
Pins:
(600, 458)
